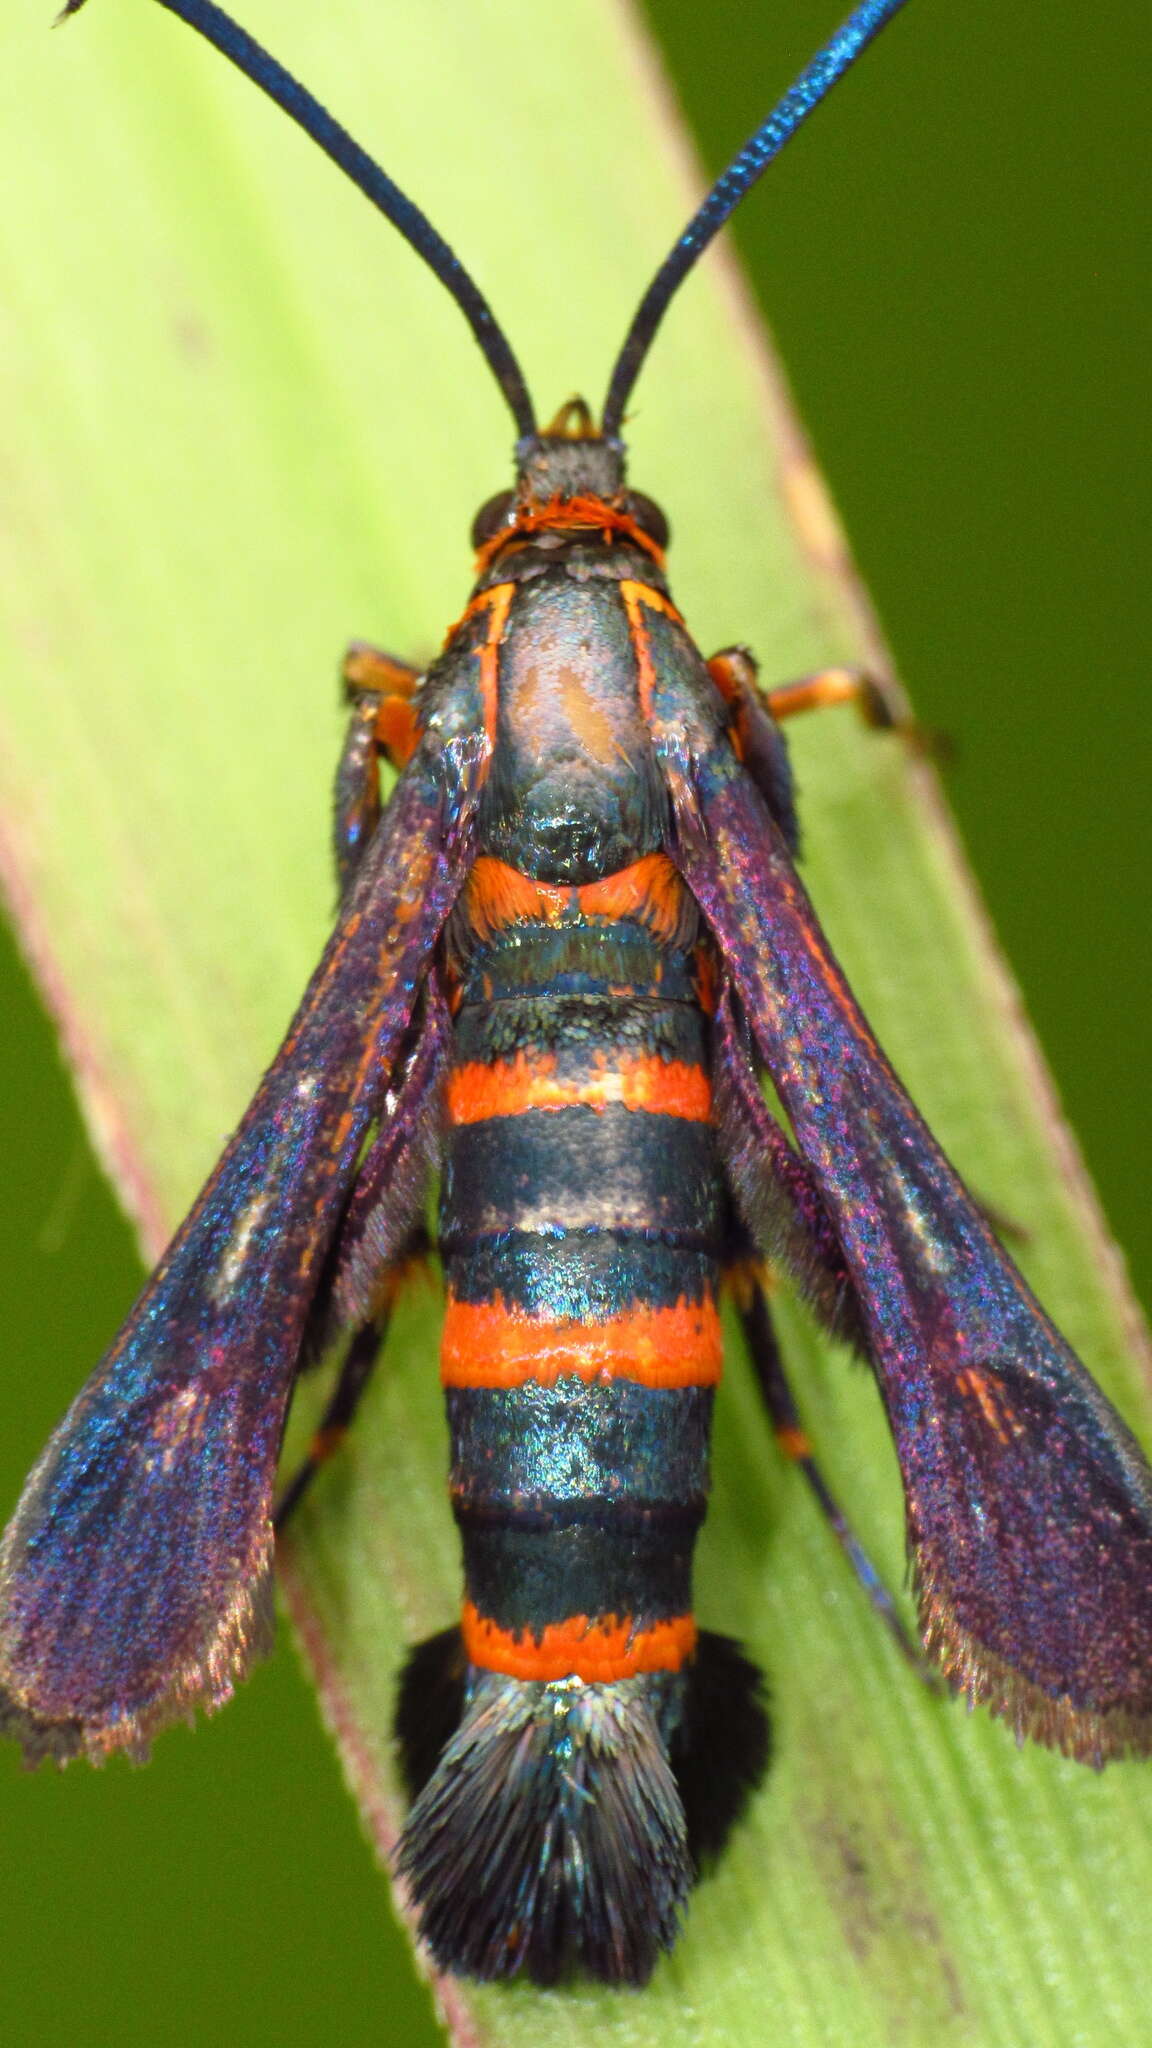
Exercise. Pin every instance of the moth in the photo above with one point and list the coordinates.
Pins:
(571, 948)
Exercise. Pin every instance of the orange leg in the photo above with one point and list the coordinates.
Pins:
(383, 727)
(878, 702)
(368, 673)
(874, 701)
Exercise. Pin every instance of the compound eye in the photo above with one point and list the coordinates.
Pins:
(491, 517)
(649, 518)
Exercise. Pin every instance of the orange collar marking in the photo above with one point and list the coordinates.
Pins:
(562, 515)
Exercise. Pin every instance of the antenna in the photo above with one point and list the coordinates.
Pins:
(254, 61)
(814, 82)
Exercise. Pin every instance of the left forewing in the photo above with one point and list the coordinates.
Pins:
(134, 1576)
(1029, 1504)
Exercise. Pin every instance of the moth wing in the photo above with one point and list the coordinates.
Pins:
(1029, 1504)
(135, 1573)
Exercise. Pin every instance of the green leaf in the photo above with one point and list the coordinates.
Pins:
(240, 426)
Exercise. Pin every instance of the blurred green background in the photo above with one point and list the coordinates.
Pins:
(955, 260)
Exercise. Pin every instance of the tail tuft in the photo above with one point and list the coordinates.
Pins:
(722, 1743)
(550, 1837)
(430, 1705)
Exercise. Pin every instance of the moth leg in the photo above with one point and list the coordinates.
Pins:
(382, 693)
(876, 701)
(768, 1365)
(879, 701)
(382, 1237)
(355, 1372)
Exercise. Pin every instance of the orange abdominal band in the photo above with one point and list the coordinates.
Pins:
(597, 1650)
(649, 892)
(487, 1344)
(478, 1091)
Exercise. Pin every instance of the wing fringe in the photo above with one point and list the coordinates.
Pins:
(1089, 1735)
(243, 1634)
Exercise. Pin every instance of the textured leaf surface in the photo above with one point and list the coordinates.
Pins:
(256, 429)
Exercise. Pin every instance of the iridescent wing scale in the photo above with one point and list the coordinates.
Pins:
(1029, 1504)
(134, 1576)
